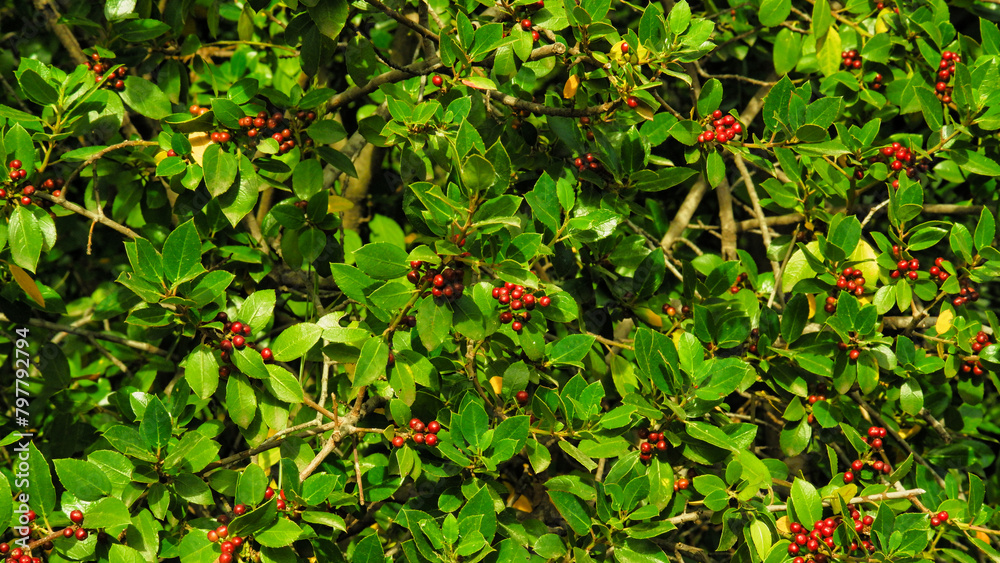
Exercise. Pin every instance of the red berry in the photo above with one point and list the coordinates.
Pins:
(213, 536)
(645, 447)
(415, 422)
(398, 441)
(16, 164)
(239, 341)
(418, 438)
(431, 440)
(266, 354)
(632, 102)
(848, 477)
(522, 397)
(854, 354)
(222, 530)
(942, 516)
(877, 466)
(269, 494)
(914, 264)
(437, 80)
(624, 48)
(544, 300)
(526, 24)
(239, 509)
(941, 86)
(857, 465)
(433, 427)
(516, 326)
(912, 274)
(877, 443)
(81, 534)
(535, 36)
(935, 521)
(25, 200)
(938, 261)
(661, 445)
(76, 516)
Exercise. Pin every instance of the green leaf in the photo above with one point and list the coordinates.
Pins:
(573, 510)
(251, 485)
(155, 427)
(382, 260)
(787, 49)
(435, 323)
(220, 169)
(283, 532)
(474, 424)
(241, 402)
(283, 385)
(307, 179)
(115, 10)
(710, 97)
(545, 202)
(975, 163)
(182, 254)
(369, 550)
(715, 169)
(24, 237)
(807, 502)
(202, 371)
(371, 363)
(146, 98)
(258, 309)
(295, 341)
(83, 479)
(773, 12)
(329, 16)
(986, 230)
(37, 88)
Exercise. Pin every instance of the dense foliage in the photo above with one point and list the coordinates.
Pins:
(573, 280)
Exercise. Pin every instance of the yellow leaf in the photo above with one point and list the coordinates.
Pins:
(572, 83)
(336, 204)
(781, 524)
(944, 319)
(199, 143)
(24, 280)
(649, 316)
(811, 299)
(523, 504)
(880, 24)
(496, 382)
(981, 536)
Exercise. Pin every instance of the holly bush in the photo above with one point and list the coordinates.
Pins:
(571, 280)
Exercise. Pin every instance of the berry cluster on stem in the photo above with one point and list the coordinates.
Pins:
(946, 69)
(114, 79)
(975, 367)
(516, 303)
(966, 293)
(234, 336)
(422, 434)
(587, 161)
(725, 129)
(652, 441)
(851, 280)
(850, 60)
(446, 283)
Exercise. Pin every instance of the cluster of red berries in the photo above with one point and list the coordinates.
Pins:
(813, 399)
(873, 439)
(422, 434)
(197, 110)
(228, 546)
(274, 125)
(585, 121)
(939, 518)
(851, 280)
(850, 60)
(981, 341)
(936, 271)
(221, 137)
(877, 83)
(670, 311)
(681, 484)
(282, 503)
(831, 304)
(115, 81)
(726, 128)
(965, 294)
(742, 277)
(821, 537)
(446, 283)
(945, 71)
(18, 173)
(909, 268)
(853, 354)
(902, 159)
(520, 301)
(653, 440)
(587, 161)
(240, 332)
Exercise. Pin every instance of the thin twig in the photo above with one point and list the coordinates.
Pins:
(405, 21)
